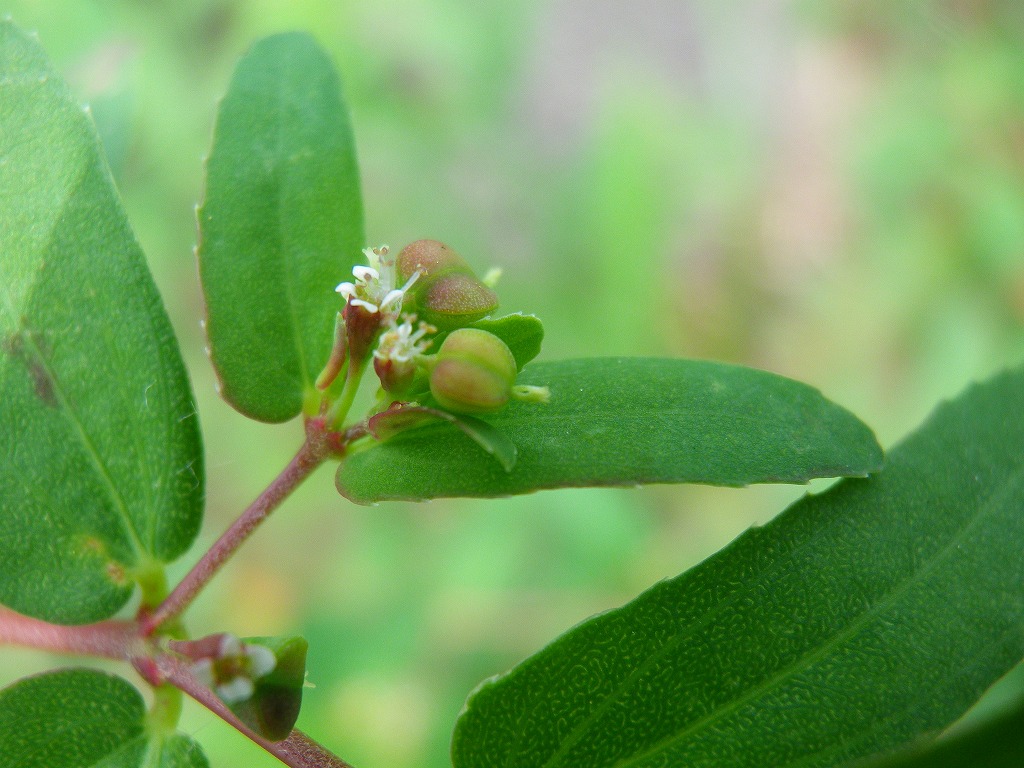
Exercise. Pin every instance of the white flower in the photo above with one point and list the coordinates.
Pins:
(401, 343)
(375, 286)
(230, 645)
(236, 690)
(233, 672)
(203, 671)
(261, 660)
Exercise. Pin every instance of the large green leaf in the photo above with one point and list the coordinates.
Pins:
(81, 718)
(623, 421)
(858, 619)
(996, 743)
(281, 226)
(102, 469)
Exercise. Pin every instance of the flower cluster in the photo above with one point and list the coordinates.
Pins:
(372, 302)
(232, 672)
(375, 288)
(400, 343)
(395, 359)
(394, 310)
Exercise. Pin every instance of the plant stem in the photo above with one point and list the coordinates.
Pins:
(166, 710)
(108, 639)
(296, 751)
(312, 453)
(336, 415)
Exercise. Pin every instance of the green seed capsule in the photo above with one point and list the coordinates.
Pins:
(473, 372)
(447, 294)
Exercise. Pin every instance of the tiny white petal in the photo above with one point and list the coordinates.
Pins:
(362, 273)
(395, 295)
(346, 289)
(261, 660)
(203, 671)
(230, 645)
(367, 305)
(236, 690)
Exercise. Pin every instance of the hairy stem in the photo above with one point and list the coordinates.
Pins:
(312, 453)
(107, 639)
(296, 751)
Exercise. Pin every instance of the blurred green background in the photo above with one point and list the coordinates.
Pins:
(833, 191)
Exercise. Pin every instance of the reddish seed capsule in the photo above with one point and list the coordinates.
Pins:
(429, 258)
(447, 294)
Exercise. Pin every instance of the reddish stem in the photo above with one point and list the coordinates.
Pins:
(130, 640)
(296, 751)
(121, 640)
(107, 639)
(312, 453)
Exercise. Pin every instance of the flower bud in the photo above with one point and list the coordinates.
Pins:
(473, 372)
(447, 294)
(396, 377)
(260, 679)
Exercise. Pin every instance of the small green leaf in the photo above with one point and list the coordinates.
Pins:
(70, 718)
(102, 475)
(274, 706)
(177, 751)
(996, 743)
(523, 334)
(858, 619)
(623, 421)
(493, 441)
(281, 226)
(81, 718)
(402, 416)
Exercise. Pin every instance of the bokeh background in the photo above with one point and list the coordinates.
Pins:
(829, 190)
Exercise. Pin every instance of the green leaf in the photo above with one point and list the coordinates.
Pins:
(281, 226)
(178, 751)
(81, 718)
(102, 475)
(274, 706)
(856, 620)
(996, 743)
(493, 441)
(402, 416)
(71, 718)
(523, 334)
(624, 421)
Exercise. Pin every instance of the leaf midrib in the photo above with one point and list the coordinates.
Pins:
(281, 208)
(119, 504)
(798, 665)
